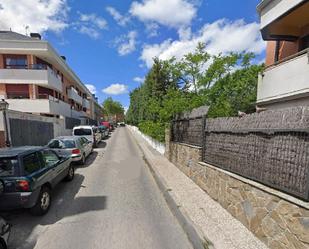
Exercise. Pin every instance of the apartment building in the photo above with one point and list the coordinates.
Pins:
(285, 27)
(34, 78)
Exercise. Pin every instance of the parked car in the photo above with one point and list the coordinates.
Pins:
(29, 174)
(104, 131)
(107, 124)
(89, 132)
(122, 124)
(79, 148)
(5, 229)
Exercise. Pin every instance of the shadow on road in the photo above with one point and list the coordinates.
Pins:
(26, 228)
(102, 145)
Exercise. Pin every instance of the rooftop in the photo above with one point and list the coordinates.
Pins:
(10, 35)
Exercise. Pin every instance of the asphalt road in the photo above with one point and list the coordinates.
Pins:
(113, 202)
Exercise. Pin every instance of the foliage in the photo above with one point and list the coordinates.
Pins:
(234, 92)
(111, 107)
(227, 83)
(154, 129)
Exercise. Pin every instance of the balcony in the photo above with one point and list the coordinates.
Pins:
(287, 79)
(283, 19)
(86, 104)
(48, 105)
(73, 94)
(34, 74)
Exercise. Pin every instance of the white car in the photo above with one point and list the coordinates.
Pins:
(89, 132)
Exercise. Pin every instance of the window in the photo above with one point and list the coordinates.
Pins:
(69, 144)
(16, 62)
(17, 91)
(55, 144)
(84, 141)
(31, 163)
(49, 158)
(82, 132)
(7, 166)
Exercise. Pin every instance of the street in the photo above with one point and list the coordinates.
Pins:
(113, 202)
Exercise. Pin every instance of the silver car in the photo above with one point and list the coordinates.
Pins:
(78, 147)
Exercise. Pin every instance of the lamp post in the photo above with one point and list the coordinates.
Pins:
(3, 107)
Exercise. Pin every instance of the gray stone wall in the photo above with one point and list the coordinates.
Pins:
(279, 223)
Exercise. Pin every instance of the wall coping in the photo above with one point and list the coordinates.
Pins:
(188, 145)
(262, 187)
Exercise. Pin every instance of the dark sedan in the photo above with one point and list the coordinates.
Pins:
(29, 174)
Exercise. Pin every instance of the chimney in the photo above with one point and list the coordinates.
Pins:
(35, 36)
(63, 57)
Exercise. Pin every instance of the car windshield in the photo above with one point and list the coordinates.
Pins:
(82, 132)
(7, 166)
(62, 144)
(69, 144)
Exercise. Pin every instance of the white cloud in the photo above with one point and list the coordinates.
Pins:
(116, 89)
(120, 19)
(91, 88)
(94, 20)
(91, 32)
(222, 36)
(39, 16)
(172, 13)
(90, 24)
(139, 79)
(127, 43)
(152, 29)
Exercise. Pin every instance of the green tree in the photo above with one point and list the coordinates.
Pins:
(226, 83)
(111, 107)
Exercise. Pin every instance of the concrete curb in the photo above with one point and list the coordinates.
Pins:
(194, 234)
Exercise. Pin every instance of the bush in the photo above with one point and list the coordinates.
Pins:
(154, 130)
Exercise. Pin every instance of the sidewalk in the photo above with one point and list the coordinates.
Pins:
(207, 224)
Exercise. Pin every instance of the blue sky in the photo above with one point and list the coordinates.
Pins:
(110, 44)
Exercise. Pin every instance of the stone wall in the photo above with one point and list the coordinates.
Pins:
(279, 220)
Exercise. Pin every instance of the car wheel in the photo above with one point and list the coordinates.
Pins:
(70, 175)
(83, 160)
(43, 203)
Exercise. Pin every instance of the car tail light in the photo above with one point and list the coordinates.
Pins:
(76, 151)
(22, 185)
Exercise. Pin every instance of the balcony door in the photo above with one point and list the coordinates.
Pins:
(16, 62)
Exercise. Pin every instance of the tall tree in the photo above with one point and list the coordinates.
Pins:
(111, 107)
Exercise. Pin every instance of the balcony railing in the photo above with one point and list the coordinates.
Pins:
(41, 75)
(288, 78)
(73, 94)
(86, 104)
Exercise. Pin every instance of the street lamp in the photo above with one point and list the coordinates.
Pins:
(3, 107)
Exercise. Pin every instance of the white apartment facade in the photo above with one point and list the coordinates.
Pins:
(285, 27)
(34, 78)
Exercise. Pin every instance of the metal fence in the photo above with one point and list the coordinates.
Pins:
(271, 148)
(25, 132)
(279, 160)
(188, 131)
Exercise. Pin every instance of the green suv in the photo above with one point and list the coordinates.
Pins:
(27, 176)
